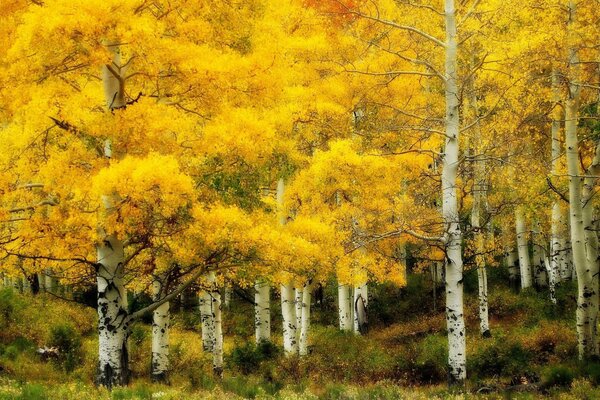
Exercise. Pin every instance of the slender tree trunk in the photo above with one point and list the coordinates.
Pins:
(580, 218)
(359, 304)
(453, 235)
(113, 321)
(113, 324)
(539, 258)
(298, 294)
(479, 189)
(344, 307)
(207, 320)
(523, 248)
(218, 327)
(557, 221)
(288, 311)
(160, 337)
(305, 321)
(262, 310)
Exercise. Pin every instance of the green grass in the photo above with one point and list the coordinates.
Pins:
(402, 357)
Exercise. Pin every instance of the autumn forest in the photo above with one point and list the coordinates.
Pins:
(299, 199)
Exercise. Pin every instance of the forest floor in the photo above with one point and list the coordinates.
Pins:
(532, 352)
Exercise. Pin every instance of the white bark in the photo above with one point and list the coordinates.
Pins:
(359, 305)
(298, 294)
(479, 193)
(218, 328)
(113, 329)
(288, 311)
(113, 326)
(579, 218)
(539, 259)
(160, 336)
(557, 221)
(523, 249)
(262, 310)
(207, 320)
(305, 321)
(344, 307)
(453, 235)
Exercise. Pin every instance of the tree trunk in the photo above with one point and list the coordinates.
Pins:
(579, 217)
(262, 310)
(523, 248)
(207, 320)
(360, 304)
(344, 307)
(218, 327)
(113, 323)
(160, 337)
(298, 294)
(305, 320)
(453, 235)
(288, 311)
(557, 221)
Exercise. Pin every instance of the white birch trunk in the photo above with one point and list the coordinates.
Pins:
(523, 249)
(557, 221)
(479, 189)
(453, 235)
(262, 310)
(288, 311)
(207, 320)
(298, 294)
(160, 336)
(218, 328)
(113, 322)
(113, 326)
(512, 263)
(305, 321)
(359, 305)
(344, 307)
(580, 217)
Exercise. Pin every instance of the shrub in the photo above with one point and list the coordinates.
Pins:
(68, 341)
(431, 362)
(248, 357)
(501, 356)
(558, 375)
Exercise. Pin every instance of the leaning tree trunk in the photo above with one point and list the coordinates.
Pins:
(262, 310)
(523, 248)
(160, 336)
(344, 307)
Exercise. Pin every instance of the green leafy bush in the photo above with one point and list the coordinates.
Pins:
(558, 375)
(248, 357)
(501, 356)
(68, 341)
